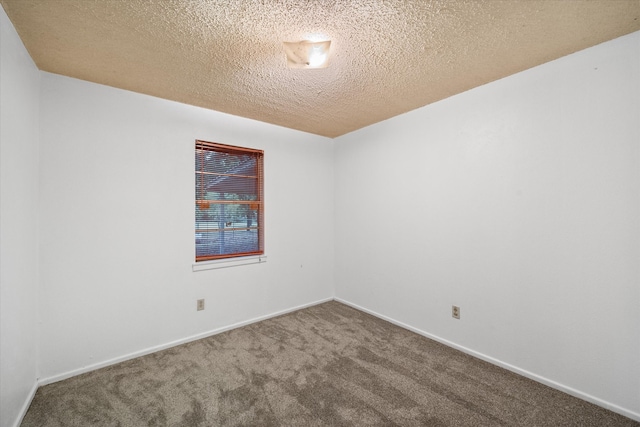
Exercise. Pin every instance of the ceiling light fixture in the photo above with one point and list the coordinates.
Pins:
(307, 54)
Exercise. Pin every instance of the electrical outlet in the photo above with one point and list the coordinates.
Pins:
(455, 311)
(200, 304)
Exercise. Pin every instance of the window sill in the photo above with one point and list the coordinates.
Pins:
(231, 262)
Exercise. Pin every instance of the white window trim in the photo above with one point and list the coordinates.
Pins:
(228, 262)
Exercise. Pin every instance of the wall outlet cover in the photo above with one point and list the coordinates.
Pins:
(455, 312)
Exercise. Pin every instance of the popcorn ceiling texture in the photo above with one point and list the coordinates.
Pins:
(387, 57)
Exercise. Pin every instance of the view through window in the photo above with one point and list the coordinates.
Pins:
(229, 205)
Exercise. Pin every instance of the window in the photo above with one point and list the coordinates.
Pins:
(229, 201)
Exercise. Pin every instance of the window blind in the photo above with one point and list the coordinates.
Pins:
(229, 201)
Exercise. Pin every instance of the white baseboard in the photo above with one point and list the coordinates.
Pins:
(26, 404)
(144, 352)
(553, 384)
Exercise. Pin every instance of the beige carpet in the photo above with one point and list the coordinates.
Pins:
(328, 365)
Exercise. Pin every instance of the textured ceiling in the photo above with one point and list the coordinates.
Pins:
(387, 56)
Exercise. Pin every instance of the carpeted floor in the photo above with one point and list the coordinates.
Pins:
(327, 365)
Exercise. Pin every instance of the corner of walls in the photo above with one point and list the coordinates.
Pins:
(19, 120)
(334, 214)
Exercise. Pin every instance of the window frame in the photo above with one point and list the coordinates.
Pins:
(204, 201)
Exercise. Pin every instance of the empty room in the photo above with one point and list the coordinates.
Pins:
(320, 213)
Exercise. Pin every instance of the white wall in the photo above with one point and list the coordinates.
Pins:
(117, 245)
(19, 91)
(518, 201)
